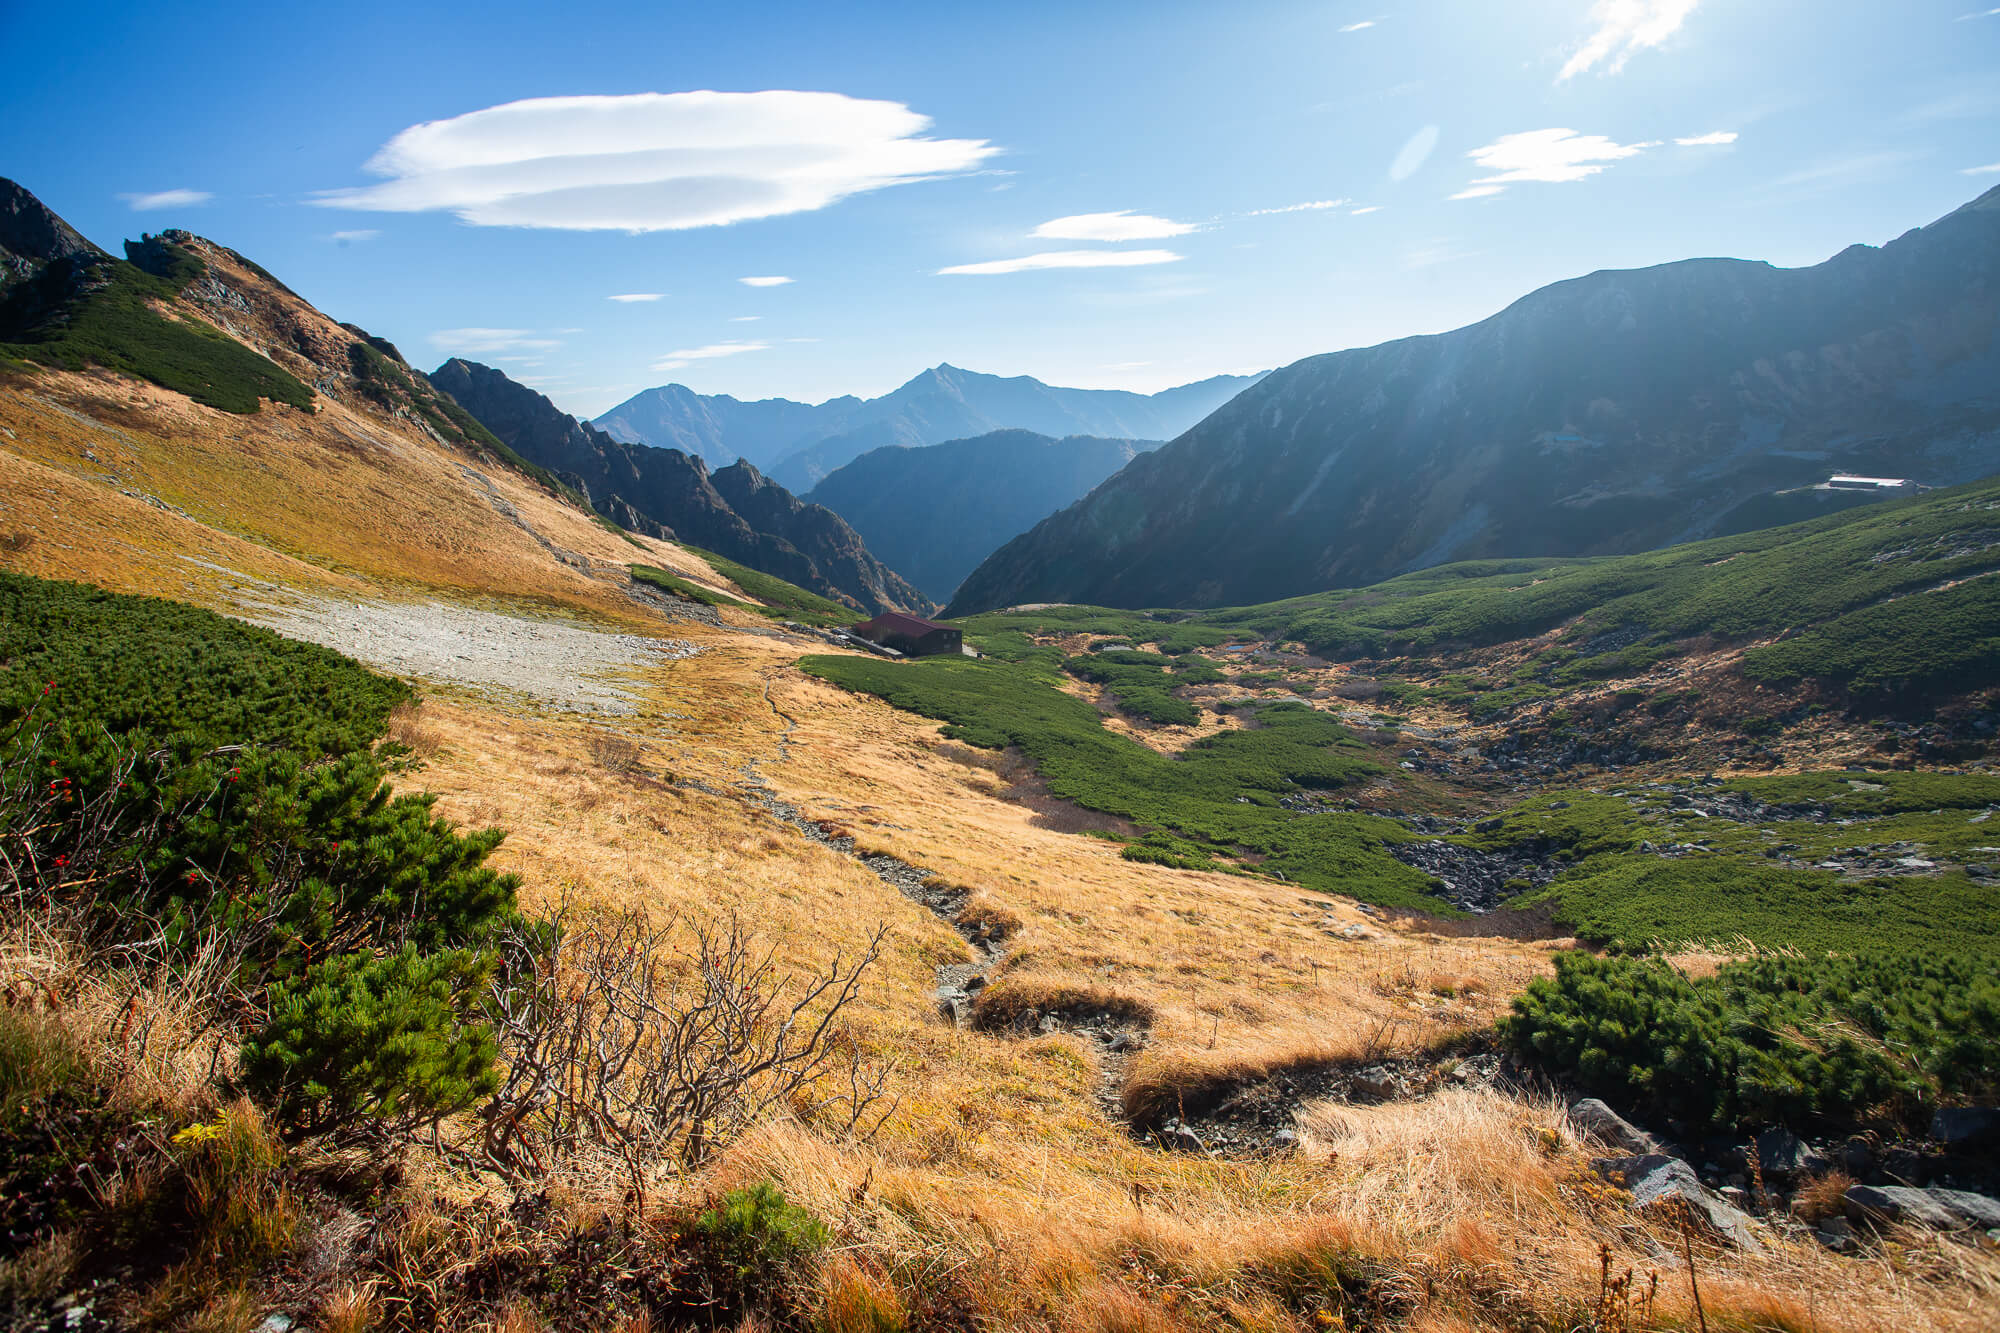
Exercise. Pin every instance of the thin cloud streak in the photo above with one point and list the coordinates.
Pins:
(1311, 207)
(686, 356)
(487, 342)
(1124, 225)
(1065, 259)
(775, 280)
(633, 298)
(146, 203)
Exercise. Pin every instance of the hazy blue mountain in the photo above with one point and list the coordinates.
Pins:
(733, 511)
(799, 443)
(934, 512)
(1609, 414)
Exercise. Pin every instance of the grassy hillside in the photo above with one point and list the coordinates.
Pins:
(1875, 599)
(118, 323)
(781, 600)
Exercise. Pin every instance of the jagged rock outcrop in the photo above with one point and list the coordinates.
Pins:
(1610, 414)
(935, 512)
(734, 512)
(44, 262)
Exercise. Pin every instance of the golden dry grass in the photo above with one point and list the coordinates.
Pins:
(999, 1182)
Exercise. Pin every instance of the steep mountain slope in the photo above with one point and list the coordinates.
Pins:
(1609, 414)
(799, 444)
(734, 512)
(182, 424)
(935, 512)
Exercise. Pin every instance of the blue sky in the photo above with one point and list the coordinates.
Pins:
(1226, 187)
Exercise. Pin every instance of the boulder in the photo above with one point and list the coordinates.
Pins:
(1900, 1203)
(1377, 1083)
(1657, 1181)
(1782, 1155)
(1973, 1209)
(1592, 1119)
(1966, 1126)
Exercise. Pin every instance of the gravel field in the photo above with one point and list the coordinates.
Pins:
(552, 663)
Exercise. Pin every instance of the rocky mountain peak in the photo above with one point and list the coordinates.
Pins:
(31, 235)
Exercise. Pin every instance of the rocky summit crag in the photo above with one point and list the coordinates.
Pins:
(1609, 414)
(735, 511)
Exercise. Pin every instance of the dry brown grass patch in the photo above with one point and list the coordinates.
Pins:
(1018, 1004)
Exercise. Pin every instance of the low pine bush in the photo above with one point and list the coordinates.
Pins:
(1772, 1040)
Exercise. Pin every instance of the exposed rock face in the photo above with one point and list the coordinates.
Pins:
(1610, 414)
(31, 234)
(1658, 1182)
(772, 532)
(44, 262)
(1902, 1203)
(800, 443)
(935, 512)
(1591, 1118)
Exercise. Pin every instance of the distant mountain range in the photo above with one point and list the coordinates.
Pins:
(1610, 414)
(935, 512)
(798, 443)
(734, 511)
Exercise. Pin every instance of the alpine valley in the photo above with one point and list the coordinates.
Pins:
(1489, 833)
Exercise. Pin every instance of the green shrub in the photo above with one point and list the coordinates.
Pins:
(755, 1231)
(781, 600)
(1221, 792)
(389, 1038)
(174, 779)
(1771, 1040)
(682, 588)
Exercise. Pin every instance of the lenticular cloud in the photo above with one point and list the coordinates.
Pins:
(655, 161)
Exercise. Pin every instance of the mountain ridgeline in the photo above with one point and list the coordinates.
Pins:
(735, 511)
(1609, 414)
(799, 444)
(934, 513)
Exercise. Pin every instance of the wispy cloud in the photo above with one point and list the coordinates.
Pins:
(1067, 259)
(634, 298)
(1364, 212)
(1124, 225)
(1624, 28)
(1357, 27)
(1978, 14)
(655, 161)
(687, 356)
(1312, 207)
(1555, 156)
(489, 342)
(353, 235)
(146, 203)
(1990, 169)
(1715, 140)
(774, 280)
(744, 319)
